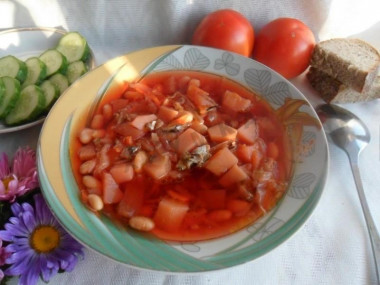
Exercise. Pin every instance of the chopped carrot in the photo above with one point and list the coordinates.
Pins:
(257, 155)
(183, 117)
(167, 114)
(111, 191)
(248, 132)
(221, 161)
(244, 152)
(199, 127)
(221, 133)
(126, 129)
(238, 206)
(200, 98)
(213, 198)
(195, 82)
(140, 121)
(234, 102)
(273, 150)
(183, 83)
(147, 91)
(188, 140)
(158, 167)
(133, 95)
(132, 199)
(170, 214)
(182, 197)
(122, 172)
(119, 104)
(267, 128)
(220, 215)
(234, 175)
(170, 85)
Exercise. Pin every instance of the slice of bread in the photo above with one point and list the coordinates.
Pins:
(353, 62)
(334, 91)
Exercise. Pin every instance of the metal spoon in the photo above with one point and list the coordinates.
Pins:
(350, 134)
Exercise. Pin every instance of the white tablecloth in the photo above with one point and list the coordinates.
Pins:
(333, 246)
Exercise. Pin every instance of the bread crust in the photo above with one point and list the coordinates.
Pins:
(333, 91)
(343, 70)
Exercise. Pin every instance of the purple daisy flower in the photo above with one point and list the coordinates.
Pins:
(21, 177)
(38, 244)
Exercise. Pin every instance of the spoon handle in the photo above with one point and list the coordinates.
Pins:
(373, 233)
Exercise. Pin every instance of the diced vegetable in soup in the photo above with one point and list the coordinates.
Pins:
(185, 155)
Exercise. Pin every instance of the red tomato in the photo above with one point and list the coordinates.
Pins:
(285, 45)
(225, 29)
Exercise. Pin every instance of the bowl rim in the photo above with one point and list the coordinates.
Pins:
(287, 231)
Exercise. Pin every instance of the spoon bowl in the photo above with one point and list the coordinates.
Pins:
(345, 129)
(349, 133)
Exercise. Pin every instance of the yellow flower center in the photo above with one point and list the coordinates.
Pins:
(6, 181)
(45, 239)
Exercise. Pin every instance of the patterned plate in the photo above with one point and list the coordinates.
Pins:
(147, 252)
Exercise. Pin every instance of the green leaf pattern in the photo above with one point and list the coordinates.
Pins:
(191, 247)
(270, 227)
(226, 62)
(169, 62)
(301, 187)
(258, 80)
(194, 59)
(277, 93)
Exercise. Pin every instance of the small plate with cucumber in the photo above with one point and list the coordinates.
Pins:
(36, 66)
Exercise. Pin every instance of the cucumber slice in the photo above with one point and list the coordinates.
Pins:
(11, 95)
(60, 81)
(36, 71)
(74, 47)
(51, 93)
(2, 91)
(55, 61)
(75, 70)
(13, 67)
(28, 107)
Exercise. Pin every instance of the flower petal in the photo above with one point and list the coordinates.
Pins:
(16, 230)
(2, 188)
(4, 166)
(27, 207)
(31, 276)
(20, 267)
(24, 160)
(29, 221)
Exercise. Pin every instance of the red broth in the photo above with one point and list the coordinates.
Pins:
(185, 155)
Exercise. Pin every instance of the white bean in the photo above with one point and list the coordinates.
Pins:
(95, 202)
(97, 121)
(85, 135)
(91, 182)
(141, 223)
(87, 167)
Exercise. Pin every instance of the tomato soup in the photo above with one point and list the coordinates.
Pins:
(185, 155)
